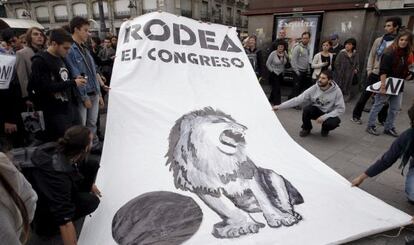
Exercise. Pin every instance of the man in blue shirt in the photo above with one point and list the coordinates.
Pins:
(81, 64)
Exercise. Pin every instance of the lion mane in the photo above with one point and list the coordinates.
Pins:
(197, 163)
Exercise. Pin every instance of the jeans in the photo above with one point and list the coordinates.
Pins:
(409, 183)
(394, 106)
(365, 95)
(312, 112)
(89, 117)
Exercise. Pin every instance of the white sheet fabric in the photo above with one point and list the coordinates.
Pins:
(148, 96)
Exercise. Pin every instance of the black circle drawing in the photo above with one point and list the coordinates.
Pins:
(159, 218)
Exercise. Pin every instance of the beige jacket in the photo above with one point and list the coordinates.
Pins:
(374, 62)
(10, 218)
(24, 68)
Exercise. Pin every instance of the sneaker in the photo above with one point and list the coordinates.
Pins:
(392, 132)
(304, 133)
(324, 133)
(372, 130)
(356, 120)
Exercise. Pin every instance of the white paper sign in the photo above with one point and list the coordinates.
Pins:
(194, 154)
(392, 86)
(7, 63)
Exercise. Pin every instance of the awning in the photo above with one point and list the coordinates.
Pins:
(18, 23)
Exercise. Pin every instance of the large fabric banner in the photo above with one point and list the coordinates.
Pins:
(194, 154)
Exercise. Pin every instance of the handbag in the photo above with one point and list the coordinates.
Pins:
(33, 121)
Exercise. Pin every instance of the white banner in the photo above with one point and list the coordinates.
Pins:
(392, 86)
(7, 63)
(194, 154)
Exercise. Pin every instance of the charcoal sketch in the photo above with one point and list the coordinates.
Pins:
(207, 157)
(159, 217)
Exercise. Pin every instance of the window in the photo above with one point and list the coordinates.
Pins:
(42, 14)
(96, 9)
(79, 9)
(186, 8)
(204, 10)
(229, 15)
(238, 17)
(149, 6)
(217, 13)
(61, 13)
(21, 13)
(121, 8)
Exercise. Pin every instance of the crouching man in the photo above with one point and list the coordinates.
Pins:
(323, 102)
(63, 177)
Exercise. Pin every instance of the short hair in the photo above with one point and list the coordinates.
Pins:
(29, 36)
(327, 73)
(351, 41)
(60, 36)
(7, 35)
(396, 21)
(326, 41)
(306, 33)
(77, 22)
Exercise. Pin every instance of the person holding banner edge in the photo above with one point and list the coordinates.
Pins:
(394, 63)
(325, 105)
(402, 147)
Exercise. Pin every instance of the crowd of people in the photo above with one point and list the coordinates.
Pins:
(62, 77)
(391, 55)
(60, 80)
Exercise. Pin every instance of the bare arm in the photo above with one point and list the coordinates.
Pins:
(68, 233)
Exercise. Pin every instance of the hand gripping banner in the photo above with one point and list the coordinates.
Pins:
(193, 153)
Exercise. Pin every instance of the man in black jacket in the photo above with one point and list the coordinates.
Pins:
(63, 176)
(51, 87)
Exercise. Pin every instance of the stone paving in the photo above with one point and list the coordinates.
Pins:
(349, 150)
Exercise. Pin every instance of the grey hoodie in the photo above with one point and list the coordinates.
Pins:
(300, 59)
(330, 101)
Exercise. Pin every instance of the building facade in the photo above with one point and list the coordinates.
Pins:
(53, 14)
(360, 19)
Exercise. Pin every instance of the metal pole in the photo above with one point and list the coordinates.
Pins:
(102, 32)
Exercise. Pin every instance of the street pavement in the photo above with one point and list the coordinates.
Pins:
(349, 150)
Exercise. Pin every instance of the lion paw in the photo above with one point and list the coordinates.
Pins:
(226, 230)
(286, 219)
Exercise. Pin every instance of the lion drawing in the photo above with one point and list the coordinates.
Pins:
(207, 157)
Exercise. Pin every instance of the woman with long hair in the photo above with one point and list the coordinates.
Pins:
(394, 63)
(64, 177)
(17, 204)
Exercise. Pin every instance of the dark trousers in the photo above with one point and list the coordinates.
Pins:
(365, 95)
(301, 83)
(312, 113)
(57, 123)
(275, 82)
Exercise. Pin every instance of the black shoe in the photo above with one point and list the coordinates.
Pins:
(356, 120)
(372, 130)
(324, 133)
(392, 132)
(304, 133)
